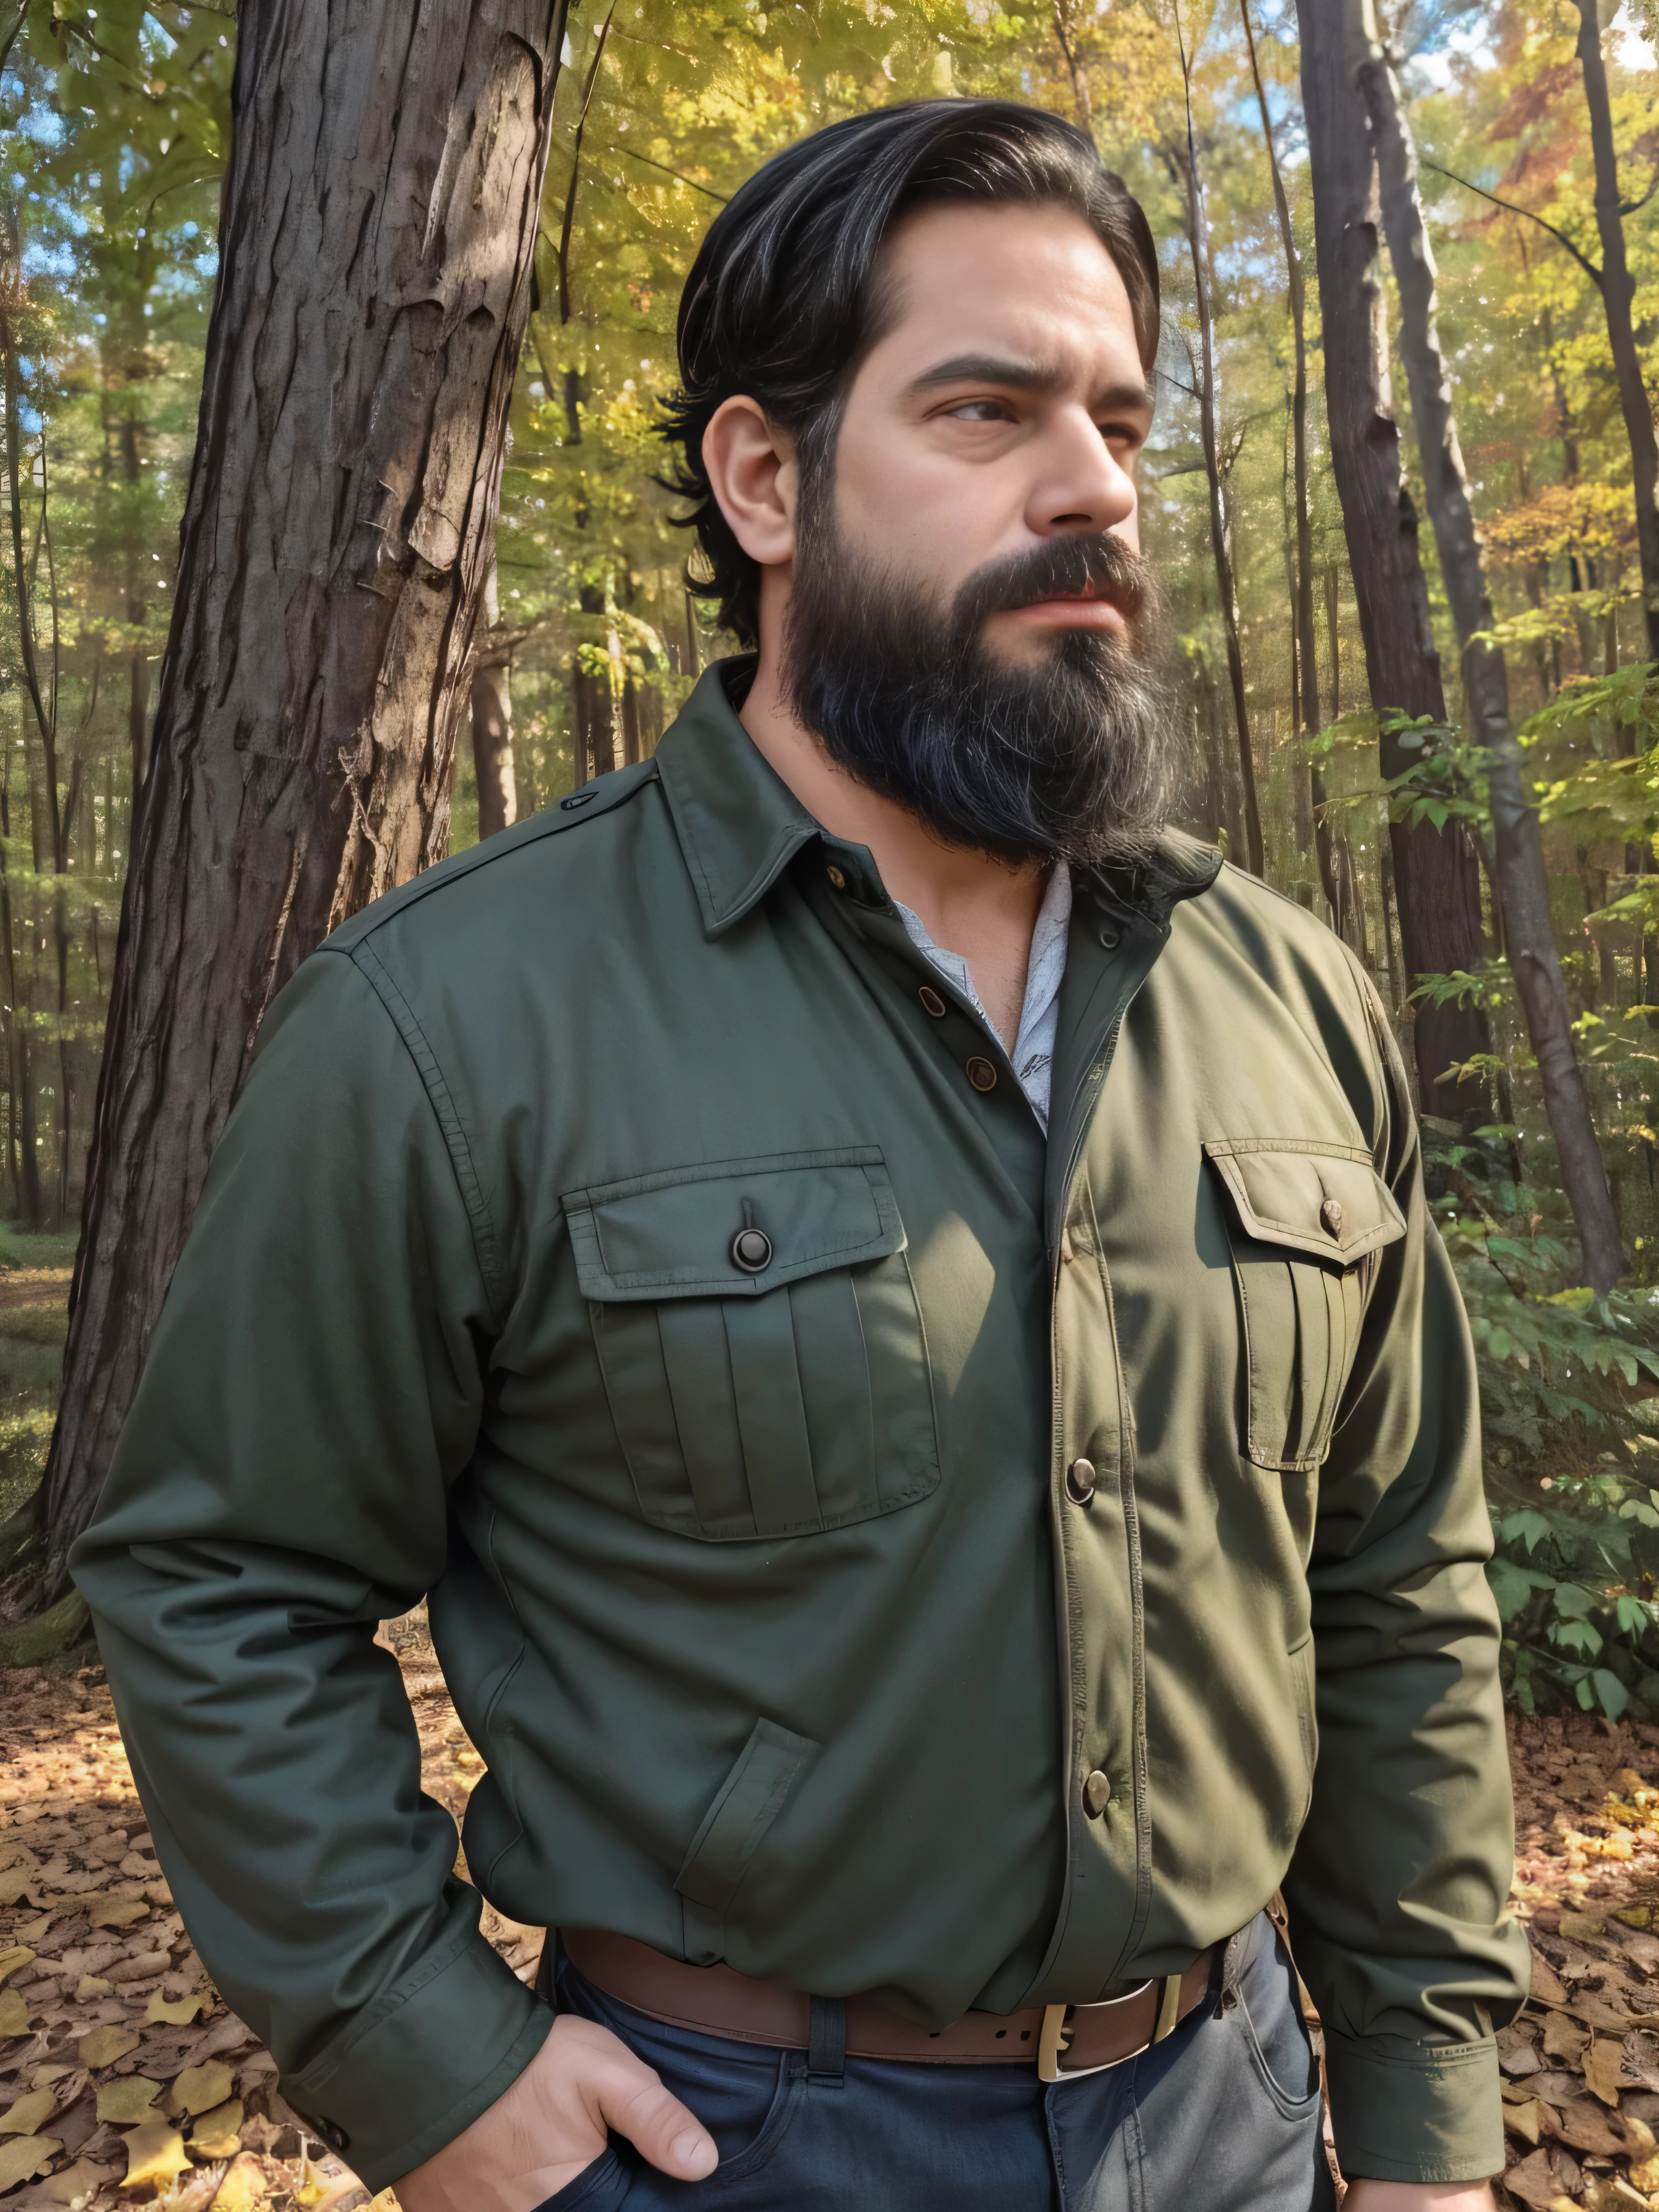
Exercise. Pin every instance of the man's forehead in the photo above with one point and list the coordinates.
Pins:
(1032, 287)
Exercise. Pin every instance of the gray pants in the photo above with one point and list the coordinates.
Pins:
(1223, 2116)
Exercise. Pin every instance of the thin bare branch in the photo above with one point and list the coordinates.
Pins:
(1509, 208)
(576, 166)
(678, 177)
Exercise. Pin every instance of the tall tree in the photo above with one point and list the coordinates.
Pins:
(1436, 873)
(1519, 880)
(1215, 467)
(492, 721)
(1305, 657)
(379, 223)
(1618, 291)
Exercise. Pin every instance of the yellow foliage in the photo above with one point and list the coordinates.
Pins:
(25, 2155)
(216, 2134)
(105, 2045)
(175, 2015)
(129, 2102)
(199, 2089)
(26, 2115)
(156, 2155)
(19, 1955)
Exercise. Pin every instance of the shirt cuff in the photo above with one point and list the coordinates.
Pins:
(421, 2066)
(1415, 2112)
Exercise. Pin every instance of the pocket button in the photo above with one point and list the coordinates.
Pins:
(1080, 1479)
(981, 1074)
(751, 1250)
(1096, 1795)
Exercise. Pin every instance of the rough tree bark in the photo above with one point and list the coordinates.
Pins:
(378, 228)
(1518, 875)
(492, 722)
(1618, 291)
(1436, 874)
(1221, 529)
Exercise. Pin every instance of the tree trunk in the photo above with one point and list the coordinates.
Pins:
(1304, 650)
(1436, 875)
(1618, 291)
(1221, 531)
(492, 724)
(380, 218)
(1520, 882)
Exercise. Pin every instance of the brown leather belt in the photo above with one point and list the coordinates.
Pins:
(1060, 2040)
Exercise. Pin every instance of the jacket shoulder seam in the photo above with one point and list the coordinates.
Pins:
(385, 986)
(550, 824)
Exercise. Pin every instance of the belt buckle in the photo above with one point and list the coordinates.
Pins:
(1052, 2039)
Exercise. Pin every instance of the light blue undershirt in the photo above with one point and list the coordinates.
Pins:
(1033, 1054)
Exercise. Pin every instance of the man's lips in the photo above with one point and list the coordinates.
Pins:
(1096, 607)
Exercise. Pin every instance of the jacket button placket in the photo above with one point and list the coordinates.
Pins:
(1095, 1539)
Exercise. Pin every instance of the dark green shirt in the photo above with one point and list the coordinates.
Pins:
(752, 1566)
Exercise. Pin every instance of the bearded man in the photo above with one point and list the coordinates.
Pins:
(885, 1300)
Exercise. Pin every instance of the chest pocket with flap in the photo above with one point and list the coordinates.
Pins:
(760, 1400)
(1305, 1221)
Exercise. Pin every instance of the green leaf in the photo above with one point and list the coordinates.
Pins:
(1528, 1527)
(1513, 1586)
(1573, 1603)
(1612, 1691)
(1634, 1613)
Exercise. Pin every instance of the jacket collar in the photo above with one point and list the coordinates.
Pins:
(739, 824)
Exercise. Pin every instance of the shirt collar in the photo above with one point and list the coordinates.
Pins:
(739, 824)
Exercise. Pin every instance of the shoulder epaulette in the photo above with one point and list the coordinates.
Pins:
(600, 797)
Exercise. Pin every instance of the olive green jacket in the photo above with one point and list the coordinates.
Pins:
(760, 1588)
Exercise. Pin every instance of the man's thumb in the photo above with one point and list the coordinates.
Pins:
(659, 2126)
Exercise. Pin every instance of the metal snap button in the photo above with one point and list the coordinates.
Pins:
(836, 878)
(1096, 1795)
(751, 1250)
(1331, 1214)
(981, 1075)
(1080, 1479)
(932, 1003)
(1111, 937)
(576, 799)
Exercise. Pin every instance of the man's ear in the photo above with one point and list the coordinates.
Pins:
(751, 465)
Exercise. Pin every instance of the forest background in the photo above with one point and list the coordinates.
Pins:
(114, 126)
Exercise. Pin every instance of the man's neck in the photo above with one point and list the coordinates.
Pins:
(968, 903)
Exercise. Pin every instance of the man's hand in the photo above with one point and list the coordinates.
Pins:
(551, 2123)
(1416, 2197)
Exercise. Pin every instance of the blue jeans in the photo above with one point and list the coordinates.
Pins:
(1223, 2115)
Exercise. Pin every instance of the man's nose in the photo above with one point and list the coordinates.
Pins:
(1079, 484)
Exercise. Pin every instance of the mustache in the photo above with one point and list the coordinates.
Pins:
(1058, 568)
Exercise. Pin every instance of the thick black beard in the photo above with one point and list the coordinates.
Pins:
(1078, 757)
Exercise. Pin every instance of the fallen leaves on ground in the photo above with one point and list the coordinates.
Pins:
(125, 2080)
(1581, 2065)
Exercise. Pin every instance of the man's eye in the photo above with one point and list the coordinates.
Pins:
(981, 411)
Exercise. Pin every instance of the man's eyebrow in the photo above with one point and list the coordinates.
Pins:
(1023, 376)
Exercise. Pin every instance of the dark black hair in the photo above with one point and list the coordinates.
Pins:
(779, 303)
